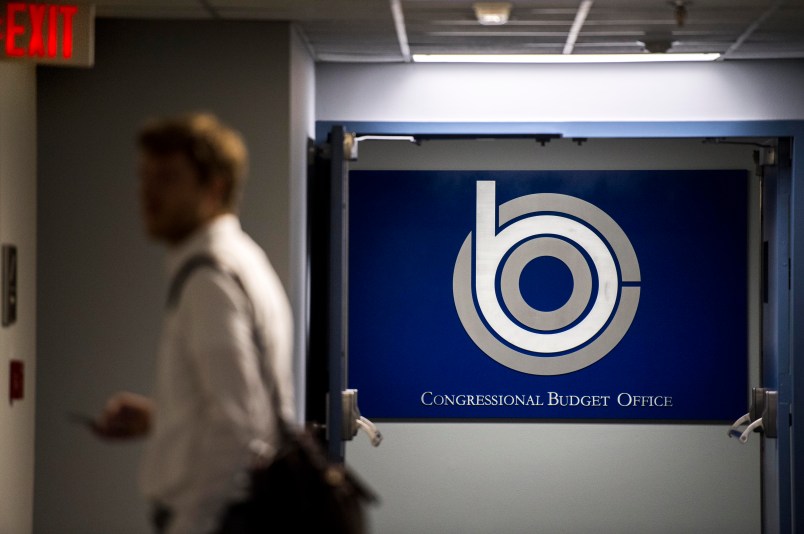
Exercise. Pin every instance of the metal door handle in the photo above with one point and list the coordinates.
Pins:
(371, 429)
(354, 422)
(761, 416)
(743, 437)
(744, 420)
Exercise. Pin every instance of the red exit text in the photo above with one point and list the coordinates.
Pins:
(38, 30)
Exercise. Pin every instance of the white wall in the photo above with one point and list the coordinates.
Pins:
(18, 341)
(102, 283)
(739, 90)
(556, 478)
(302, 130)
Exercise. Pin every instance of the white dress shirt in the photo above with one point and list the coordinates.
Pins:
(210, 402)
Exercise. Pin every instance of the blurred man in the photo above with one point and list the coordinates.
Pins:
(210, 404)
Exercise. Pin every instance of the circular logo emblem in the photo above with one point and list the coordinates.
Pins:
(486, 282)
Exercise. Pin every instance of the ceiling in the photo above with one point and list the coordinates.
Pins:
(392, 30)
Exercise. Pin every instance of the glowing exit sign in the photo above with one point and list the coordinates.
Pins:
(50, 33)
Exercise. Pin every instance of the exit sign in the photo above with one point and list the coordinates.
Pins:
(48, 33)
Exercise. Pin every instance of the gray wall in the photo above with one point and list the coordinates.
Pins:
(18, 341)
(101, 282)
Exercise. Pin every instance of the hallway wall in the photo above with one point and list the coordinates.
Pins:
(18, 341)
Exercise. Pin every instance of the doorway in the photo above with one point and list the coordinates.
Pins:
(566, 477)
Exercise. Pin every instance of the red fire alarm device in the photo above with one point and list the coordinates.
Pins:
(16, 386)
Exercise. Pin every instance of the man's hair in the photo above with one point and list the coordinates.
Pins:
(212, 147)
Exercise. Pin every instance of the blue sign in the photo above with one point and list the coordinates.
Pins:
(549, 294)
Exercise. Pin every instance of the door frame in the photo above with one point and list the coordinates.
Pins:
(792, 387)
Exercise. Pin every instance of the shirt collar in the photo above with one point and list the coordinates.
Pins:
(200, 240)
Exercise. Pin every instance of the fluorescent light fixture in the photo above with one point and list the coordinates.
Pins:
(561, 58)
(575, 30)
(492, 13)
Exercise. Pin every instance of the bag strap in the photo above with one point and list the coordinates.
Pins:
(174, 294)
(314, 453)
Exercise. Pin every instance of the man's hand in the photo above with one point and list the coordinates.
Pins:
(126, 416)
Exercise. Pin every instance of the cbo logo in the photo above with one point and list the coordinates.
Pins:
(488, 271)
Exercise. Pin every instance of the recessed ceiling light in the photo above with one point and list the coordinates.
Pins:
(492, 13)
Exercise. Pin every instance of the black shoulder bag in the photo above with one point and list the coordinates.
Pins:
(300, 487)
